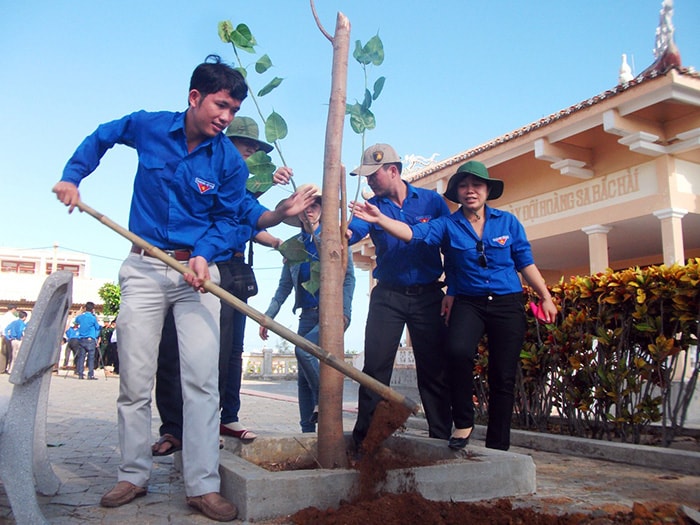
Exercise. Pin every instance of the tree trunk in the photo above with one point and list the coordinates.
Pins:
(331, 444)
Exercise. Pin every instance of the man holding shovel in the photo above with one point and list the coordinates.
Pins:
(189, 198)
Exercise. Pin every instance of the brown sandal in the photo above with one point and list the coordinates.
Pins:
(173, 443)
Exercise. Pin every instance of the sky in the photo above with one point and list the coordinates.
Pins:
(458, 74)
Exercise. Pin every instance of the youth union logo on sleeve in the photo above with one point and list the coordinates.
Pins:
(502, 240)
(203, 185)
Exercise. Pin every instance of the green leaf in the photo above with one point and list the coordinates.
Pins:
(362, 121)
(275, 127)
(357, 125)
(225, 30)
(243, 71)
(259, 184)
(354, 109)
(371, 53)
(272, 84)
(358, 54)
(367, 102)
(260, 163)
(294, 251)
(314, 282)
(375, 49)
(243, 39)
(263, 64)
(261, 169)
(378, 86)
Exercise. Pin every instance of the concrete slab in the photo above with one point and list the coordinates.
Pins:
(261, 494)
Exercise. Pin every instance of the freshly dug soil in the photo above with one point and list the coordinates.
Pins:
(370, 507)
(410, 508)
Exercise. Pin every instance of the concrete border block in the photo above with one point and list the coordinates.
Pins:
(261, 494)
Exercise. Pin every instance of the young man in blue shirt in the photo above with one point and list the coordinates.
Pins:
(189, 198)
(72, 344)
(88, 332)
(14, 333)
(408, 293)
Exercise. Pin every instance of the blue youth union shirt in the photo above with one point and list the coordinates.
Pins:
(181, 199)
(400, 263)
(506, 248)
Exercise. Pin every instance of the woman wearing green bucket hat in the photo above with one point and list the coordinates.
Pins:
(485, 250)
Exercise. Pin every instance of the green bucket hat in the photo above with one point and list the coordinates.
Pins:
(246, 128)
(477, 169)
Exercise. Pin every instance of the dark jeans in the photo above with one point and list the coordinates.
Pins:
(389, 312)
(308, 373)
(5, 353)
(168, 388)
(87, 346)
(231, 351)
(502, 319)
(72, 347)
(112, 356)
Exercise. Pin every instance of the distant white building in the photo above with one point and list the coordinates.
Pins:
(23, 271)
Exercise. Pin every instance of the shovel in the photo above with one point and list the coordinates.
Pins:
(387, 393)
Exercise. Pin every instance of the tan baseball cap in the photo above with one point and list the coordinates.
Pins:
(375, 157)
(295, 221)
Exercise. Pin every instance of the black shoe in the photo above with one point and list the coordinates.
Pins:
(81, 377)
(92, 378)
(457, 443)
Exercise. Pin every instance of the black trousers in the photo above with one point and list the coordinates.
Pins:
(168, 388)
(502, 319)
(389, 312)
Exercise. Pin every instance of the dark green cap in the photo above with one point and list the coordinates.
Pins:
(246, 128)
(476, 168)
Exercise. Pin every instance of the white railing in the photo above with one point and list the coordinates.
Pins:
(268, 364)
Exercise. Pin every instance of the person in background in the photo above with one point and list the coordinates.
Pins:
(89, 330)
(408, 293)
(5, 345)
(14, 333)
(486, 249)
(188, 198)
(294, 275)
(243, 133)
(113, 350)
(72, 345)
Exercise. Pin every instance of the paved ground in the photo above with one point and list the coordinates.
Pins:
(82, 435)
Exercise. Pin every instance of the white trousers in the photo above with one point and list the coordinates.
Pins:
(148, 288)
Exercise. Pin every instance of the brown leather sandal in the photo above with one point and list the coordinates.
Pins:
(173, 443)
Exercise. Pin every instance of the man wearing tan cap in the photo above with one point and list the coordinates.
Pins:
(408, 292)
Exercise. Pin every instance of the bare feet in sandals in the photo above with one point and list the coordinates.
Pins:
(236, 430)
(166, 445)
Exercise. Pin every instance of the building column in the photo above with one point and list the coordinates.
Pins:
(672, 234)
(597, 247)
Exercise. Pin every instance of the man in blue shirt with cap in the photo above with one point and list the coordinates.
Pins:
(408, 293)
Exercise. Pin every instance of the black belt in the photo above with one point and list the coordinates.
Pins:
(491, 297)
(178, 255)
(416, 289)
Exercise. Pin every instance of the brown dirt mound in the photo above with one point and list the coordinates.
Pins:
(401, 509)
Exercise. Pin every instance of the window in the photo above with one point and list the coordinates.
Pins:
(18, 267)
(73, 268)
